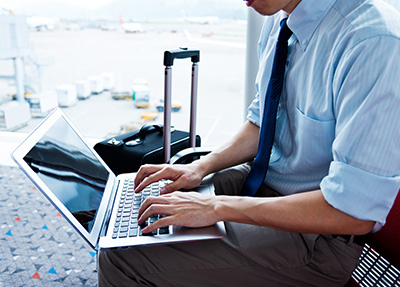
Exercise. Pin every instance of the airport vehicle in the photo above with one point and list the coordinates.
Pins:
(149, 116)
(121, 95)
(42, 104)
(141, 95)
(175, 107)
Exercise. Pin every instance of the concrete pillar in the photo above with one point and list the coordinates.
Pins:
(254, 25)
(19, 78)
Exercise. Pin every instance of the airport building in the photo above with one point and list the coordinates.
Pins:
(103, 66)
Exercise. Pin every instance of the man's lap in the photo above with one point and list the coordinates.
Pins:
(256, 256)
(249, 254)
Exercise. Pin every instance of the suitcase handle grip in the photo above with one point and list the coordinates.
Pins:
(141, 135)
(181, 53)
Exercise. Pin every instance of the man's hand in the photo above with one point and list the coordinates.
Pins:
(242, 148)
(190, 209)
(182, 176)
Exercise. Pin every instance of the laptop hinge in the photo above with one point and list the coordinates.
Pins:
(107, 215)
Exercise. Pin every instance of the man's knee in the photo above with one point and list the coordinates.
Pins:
(109, 274)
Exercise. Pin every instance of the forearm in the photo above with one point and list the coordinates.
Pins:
(306, 212)
(242, 148)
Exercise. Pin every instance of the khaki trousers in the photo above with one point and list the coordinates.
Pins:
(248, 255)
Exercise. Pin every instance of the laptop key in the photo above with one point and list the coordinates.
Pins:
(163, 230)
(154, 232)
(133, 232)
(127, 217)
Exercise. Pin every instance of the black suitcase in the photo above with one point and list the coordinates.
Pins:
(155, 144)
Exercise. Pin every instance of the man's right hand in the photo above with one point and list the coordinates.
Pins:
(242, 148)
(182, 176)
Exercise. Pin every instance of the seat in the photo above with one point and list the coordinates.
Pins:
(379, 262)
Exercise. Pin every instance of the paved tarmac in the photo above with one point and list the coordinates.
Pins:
(76, 55)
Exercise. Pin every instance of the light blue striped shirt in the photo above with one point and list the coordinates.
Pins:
(338, 121)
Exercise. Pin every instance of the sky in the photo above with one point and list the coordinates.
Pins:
(133, 8)
(87, 4)
(92, 4)
(59, 8)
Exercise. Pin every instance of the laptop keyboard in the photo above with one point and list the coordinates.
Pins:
(126, 223)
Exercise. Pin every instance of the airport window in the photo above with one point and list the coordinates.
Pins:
(93, 59)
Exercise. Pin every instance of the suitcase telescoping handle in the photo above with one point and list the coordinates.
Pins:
(169, 57)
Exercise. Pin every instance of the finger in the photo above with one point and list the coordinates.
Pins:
(157, 176)
(145, 171)
(143, 207)
(155, 209)
(167, 172)
(152, 205)
(164, 221)
(171, 187)
(141, 174)
(179, 181)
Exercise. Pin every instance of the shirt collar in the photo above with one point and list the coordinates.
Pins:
(306, 17)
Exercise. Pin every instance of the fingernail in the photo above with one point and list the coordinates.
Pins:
(163, 190)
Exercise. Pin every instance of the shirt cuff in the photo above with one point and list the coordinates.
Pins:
(360, 193)
(253, 112)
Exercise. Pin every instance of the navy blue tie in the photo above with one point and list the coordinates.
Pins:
(259, 169)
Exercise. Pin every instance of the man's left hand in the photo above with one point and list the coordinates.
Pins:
(190, 209)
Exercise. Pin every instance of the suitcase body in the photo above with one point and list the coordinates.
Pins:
(155, 144)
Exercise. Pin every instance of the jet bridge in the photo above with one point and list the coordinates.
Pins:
(14, 46)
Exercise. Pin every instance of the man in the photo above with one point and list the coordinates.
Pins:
(333, 171)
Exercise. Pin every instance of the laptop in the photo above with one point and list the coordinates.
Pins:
(96, 202)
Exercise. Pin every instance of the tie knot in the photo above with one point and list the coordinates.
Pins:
(285, 32)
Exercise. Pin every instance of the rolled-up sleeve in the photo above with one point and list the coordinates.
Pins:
(359, 193)
(364, 176)
(253, 112)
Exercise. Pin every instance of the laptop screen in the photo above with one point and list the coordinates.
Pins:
(71, 171)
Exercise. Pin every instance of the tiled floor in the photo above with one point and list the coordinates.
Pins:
(37, 246)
